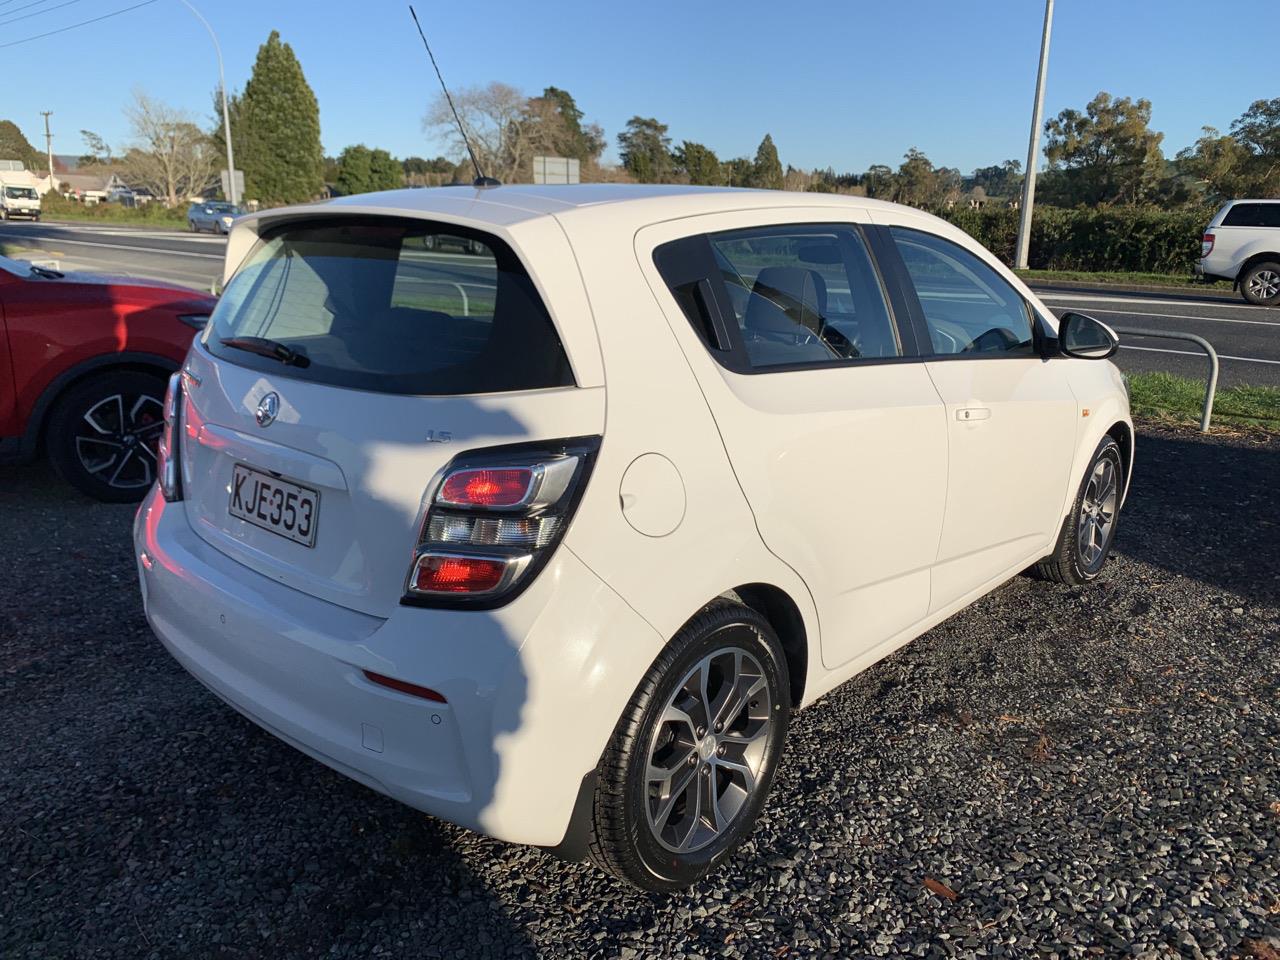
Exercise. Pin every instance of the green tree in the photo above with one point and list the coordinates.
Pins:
(999, 180)
(738, 172)
(276, 129)
(14, 146)
(699, 163)
(418, 166)
(361, 170)
(916, 181)
(880, 182)
(767, 168)
(585, 143)
(1108, 154)
(385, 172)
(1218, 163)
(1257, 130)
(645, 150)
(355, 170)
(1243, 163)
(99, 151)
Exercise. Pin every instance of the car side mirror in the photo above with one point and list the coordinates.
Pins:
(1085, 338)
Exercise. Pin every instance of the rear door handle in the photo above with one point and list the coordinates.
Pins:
(969, 414)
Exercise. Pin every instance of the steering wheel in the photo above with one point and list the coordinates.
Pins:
(995, 340)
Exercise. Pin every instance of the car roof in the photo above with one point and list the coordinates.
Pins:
(1232, 203)
(505, 205)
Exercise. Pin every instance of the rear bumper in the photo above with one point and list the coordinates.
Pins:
(534, 689)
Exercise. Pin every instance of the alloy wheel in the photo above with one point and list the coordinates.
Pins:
(708, 750)
(1097, 511)
(117, 437)
(1264, 284)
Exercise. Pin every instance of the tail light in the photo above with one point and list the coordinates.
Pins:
(167, 452)
(494, 520)
(1206, 245)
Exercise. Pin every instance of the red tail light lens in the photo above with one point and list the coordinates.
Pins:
(493, 487)
(443, 573)
(404, 686)
(1206, 245)
(495, 520)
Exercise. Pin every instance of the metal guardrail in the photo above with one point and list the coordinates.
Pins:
(1211, 388)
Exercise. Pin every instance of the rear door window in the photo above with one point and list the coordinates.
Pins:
(1253, 215)
(783, 296)
(392, 306)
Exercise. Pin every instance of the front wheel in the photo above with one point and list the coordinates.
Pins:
(1260, 284)
(1090, 528)
(103, 432)
(691, 761)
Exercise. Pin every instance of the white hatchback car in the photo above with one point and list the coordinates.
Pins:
(542, 509)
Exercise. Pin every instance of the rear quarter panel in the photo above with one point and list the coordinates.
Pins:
(655, 406)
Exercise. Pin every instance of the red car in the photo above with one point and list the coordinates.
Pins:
(83, 366)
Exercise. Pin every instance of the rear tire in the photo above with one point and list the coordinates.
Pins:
(1090, 528)
(712, 713)
(103, 432)
(1260, 284)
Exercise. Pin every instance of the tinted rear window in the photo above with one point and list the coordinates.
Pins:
(391, 306)
(1253, 215)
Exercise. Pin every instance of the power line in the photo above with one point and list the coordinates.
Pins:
(82, 23)
(38, 13)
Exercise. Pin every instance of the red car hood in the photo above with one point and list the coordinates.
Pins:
(141, 289)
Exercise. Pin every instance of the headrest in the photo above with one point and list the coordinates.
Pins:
(786, 297)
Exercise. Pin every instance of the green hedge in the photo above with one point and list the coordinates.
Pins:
(1144, 239)
(54, 206)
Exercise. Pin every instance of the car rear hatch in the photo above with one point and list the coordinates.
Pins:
(348, 362)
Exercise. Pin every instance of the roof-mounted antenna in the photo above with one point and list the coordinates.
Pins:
(481, 180)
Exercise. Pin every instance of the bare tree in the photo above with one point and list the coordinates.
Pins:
(507, 129)
(170, 155)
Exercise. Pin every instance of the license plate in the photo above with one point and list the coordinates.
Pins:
(284, 508)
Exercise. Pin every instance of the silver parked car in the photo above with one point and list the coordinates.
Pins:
(1242, 244)
(214, 216)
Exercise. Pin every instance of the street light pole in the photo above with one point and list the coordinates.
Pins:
(1033, 148)
(232, 192)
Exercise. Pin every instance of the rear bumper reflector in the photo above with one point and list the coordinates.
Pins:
(403, 686)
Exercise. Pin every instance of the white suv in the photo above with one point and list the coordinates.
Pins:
(551, 533)
(1242, 244)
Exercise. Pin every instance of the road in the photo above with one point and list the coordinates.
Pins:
(1247, 338)
(188, 259)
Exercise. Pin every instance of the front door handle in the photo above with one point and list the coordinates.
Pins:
(969, 414)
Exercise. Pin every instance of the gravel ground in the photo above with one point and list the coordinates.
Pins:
(1054, 772)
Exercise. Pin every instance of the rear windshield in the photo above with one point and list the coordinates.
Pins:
(1253, 215)
(392, 306)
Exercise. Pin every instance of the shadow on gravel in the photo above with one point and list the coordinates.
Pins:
(145, 818)
(1208, 511)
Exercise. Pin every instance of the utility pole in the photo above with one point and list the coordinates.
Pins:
(233, 193)
(48, 146)
(1033, 148)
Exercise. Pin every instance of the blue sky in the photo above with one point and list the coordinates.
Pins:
(840, 84)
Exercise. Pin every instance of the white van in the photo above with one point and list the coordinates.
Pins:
(18, 200)
(551, 540)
